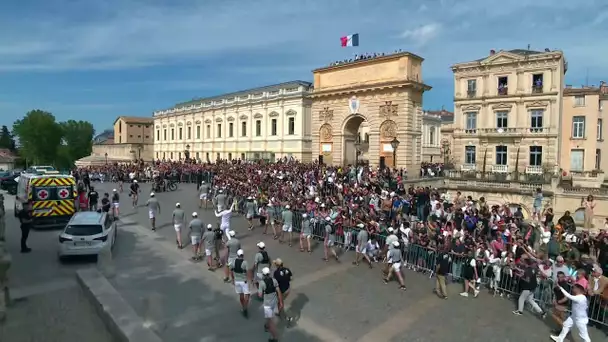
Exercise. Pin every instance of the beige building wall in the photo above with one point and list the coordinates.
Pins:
(431, 138)
(133, 130)
(270, 121)
(583, 132)
(124, 152)
(386, 93)
(508, 111)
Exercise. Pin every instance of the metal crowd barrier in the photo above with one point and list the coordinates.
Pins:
(193, 177)
(504, 281)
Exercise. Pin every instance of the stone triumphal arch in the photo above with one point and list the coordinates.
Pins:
(358, 108)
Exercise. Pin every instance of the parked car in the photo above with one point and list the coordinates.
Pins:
(87, 233)
(7, 180)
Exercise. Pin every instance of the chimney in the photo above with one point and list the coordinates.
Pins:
(547, 50)
(568, 86)
(492, 52)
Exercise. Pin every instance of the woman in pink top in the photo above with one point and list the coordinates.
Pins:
(497, 245)
(581, 279)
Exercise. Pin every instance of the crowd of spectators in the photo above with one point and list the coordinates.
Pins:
(431, 169)
(507, 249)
(359, 57)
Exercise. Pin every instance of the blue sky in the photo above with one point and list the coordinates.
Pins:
(96, 60)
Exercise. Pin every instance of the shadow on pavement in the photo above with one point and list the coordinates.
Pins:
(173, 298)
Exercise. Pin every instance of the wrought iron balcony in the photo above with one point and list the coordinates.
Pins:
(537, 89)
(503, 91)
(471, 93)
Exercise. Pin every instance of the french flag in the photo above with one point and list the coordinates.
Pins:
(351, 40)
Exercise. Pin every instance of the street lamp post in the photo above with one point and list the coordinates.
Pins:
(106, 155)
(394, 145)
(357, 151)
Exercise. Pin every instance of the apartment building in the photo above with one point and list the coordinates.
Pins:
(583, 133)
(507, 111)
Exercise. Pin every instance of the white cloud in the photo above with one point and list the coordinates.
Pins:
(422, 34)
(281, 36)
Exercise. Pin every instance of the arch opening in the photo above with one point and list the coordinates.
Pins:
(355, 142)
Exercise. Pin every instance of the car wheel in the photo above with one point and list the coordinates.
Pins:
(62, 259)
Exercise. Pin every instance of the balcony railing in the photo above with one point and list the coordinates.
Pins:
(500, 168)
(529, 181)
(506, 131)
(542, 178)
(534, 170)
(471, 93)
(537, 89)
(503, 91)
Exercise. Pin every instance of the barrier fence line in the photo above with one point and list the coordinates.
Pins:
(499, 278)
(502, 279)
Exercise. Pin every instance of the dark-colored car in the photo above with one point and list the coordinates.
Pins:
(7, 181)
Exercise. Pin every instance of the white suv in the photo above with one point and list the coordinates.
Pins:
(87, 233)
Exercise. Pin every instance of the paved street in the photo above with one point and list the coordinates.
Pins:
(182, 301)
(334, 301)
(47, 303)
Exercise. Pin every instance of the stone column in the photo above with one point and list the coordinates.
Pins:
(5, 263)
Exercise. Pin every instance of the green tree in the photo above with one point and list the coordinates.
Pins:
(77, 139)
(6, 139)
(39, 136)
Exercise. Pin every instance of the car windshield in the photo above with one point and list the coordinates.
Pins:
(83, 230)
(4, 174)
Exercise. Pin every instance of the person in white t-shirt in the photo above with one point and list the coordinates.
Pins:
(579, 317)
(225, 216)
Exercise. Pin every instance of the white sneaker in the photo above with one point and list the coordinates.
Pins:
(465, 294)
(476, 293)
(555, 338)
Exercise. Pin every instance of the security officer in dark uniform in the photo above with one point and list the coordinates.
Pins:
(93, 199)
(219, 235)
(27, 221)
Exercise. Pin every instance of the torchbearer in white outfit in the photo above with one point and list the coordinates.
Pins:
(225, 215)
(579, 317)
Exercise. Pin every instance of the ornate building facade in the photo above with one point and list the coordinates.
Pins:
(262, 123)
(508, 111)
(382, 94)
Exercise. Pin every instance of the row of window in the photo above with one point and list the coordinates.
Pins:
(536, 122)
(502, 119)
(171, 155)
(502, 155)
(578, 128)
(291, 129)
(577, 157)
(503, 85)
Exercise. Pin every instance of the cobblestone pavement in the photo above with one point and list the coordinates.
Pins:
(332, 301)
(47, 303)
